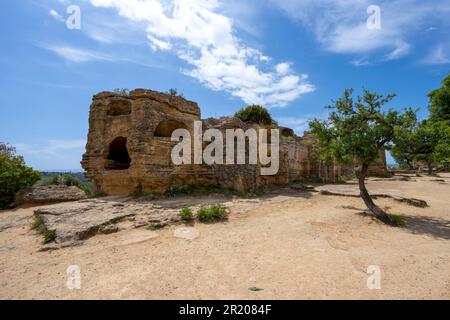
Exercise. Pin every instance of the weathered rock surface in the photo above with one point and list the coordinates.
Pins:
(81, 220)
(49, 194)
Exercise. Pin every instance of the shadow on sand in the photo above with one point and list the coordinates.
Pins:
(426, 226)
(429, 226)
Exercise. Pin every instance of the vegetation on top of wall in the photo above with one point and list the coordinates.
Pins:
(14, 175)
(123, 91)
(174, 93)
(255, 114)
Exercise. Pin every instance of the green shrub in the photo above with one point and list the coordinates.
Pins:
(186, 214)
(213, 213)
(49, 236)
(14, 175)
(39, 226)
(255, 114)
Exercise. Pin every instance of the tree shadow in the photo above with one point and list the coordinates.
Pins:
(436, 227)
(420, 225)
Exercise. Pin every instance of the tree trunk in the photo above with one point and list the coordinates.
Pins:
(430, 168)
(378, 213)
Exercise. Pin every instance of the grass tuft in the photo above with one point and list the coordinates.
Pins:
(186, 214)
(213, 213)
(39, 226)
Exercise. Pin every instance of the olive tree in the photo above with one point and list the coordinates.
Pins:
(358, 129)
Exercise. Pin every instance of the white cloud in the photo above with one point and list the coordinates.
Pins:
(437, 56)
(204, 38)
(77, 55)
(52, 147)
(53, 154)
(56, 15)
(340, 25)
(283, 68)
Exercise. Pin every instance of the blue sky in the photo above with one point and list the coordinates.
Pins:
(291, 56)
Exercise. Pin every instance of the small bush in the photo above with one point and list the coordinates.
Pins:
(39, 226)
(255, 114)
(213, 213)
(186, 214)
(49, 236)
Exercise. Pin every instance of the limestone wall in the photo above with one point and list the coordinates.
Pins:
(129, 148)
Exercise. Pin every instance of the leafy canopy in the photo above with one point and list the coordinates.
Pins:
(440, 102)
(358, 128)
(14, 175)
(255, 114)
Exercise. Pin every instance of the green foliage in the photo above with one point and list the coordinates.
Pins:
(358, 128)
(434, 133)
(213, 213)
(186, 214)
(39, 226)
(49, 236)
(14, 175)
(429, 140)
(440, 102)
(255, 114)
(403, 149)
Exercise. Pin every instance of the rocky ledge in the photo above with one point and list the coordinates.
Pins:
(50, 194)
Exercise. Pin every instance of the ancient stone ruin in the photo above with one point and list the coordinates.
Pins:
(129, 148)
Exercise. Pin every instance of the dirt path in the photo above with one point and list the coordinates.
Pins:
(292, 245)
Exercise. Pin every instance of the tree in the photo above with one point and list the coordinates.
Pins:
(403, 149)
(359, 130)
(433, 143)
(425, 141)
(439, 123)
(440, 102)
(255, 114)
(14, 175)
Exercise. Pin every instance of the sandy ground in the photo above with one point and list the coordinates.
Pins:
(293, 245)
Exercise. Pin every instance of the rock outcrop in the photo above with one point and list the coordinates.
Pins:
(50, 194)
